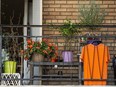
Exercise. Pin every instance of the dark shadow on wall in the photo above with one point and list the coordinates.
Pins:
(10, 8)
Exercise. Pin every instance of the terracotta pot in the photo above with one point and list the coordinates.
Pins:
(36, 57)
(54, 60)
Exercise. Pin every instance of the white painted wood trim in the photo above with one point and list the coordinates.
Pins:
(25, 22)
(37, 18)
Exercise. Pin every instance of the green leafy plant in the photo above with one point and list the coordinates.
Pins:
(91, 15)
(68, 30)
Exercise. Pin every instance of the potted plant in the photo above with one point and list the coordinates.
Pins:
(38, 50)
(11, 44)
(68, 30)
(12, 50)
(91, 15)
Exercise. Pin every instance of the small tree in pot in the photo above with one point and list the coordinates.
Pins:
(68, 30)
(91, 15)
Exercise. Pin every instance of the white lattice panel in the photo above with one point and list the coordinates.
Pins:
(10, 79)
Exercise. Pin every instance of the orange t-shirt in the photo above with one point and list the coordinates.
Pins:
(95, 60)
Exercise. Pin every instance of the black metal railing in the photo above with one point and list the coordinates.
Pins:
(59, 72)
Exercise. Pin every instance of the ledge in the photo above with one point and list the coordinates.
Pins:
(55, 63)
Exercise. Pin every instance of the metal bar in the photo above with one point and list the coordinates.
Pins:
(103, 36)
(55, 63)
(65, 79)
(80, 73)
(78, 26)
(31, 73)
(0, 41)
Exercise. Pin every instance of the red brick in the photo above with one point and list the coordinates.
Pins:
(107, 21)
(72, 17)
(109, 17)
(75, 13)
(60, 21)
(104, 6)
(84, 2)
(109, 10)
(49, 17)
(66, 6)
(54, 21)
(54, 13)
(54, 6)
(45, 13)
(113, 14)
(75, 6)
(99, 2)
(71, 9)
(112, 6)
(60, 9)
(61, 17)
(72, 2)
(48, 2)
(65, 13)
(48, 9)
(48, 21)
(108, 2)
(47, 32)
(113, 21)
(46, 5)
(60, 2)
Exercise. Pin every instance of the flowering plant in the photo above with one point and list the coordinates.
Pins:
(48, 50)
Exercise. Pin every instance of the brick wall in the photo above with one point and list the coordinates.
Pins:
(56, 11)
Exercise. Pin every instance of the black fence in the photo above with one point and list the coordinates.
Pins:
(53, 69)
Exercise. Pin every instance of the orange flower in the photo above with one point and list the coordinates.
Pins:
(30, 46)
(56, 47)
(37, 47)
(50, 44)
(33, 42)
(29, 41)
(45, 51)
(45, 40)
(48, 48)
(39, 43)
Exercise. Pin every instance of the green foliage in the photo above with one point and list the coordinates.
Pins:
(68, 30)
(91, 15)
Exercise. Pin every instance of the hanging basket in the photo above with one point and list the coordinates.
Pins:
(36, 57)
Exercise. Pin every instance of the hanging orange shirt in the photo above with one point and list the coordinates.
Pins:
(95, 60)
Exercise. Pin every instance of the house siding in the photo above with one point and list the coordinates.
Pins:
(56, 11)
